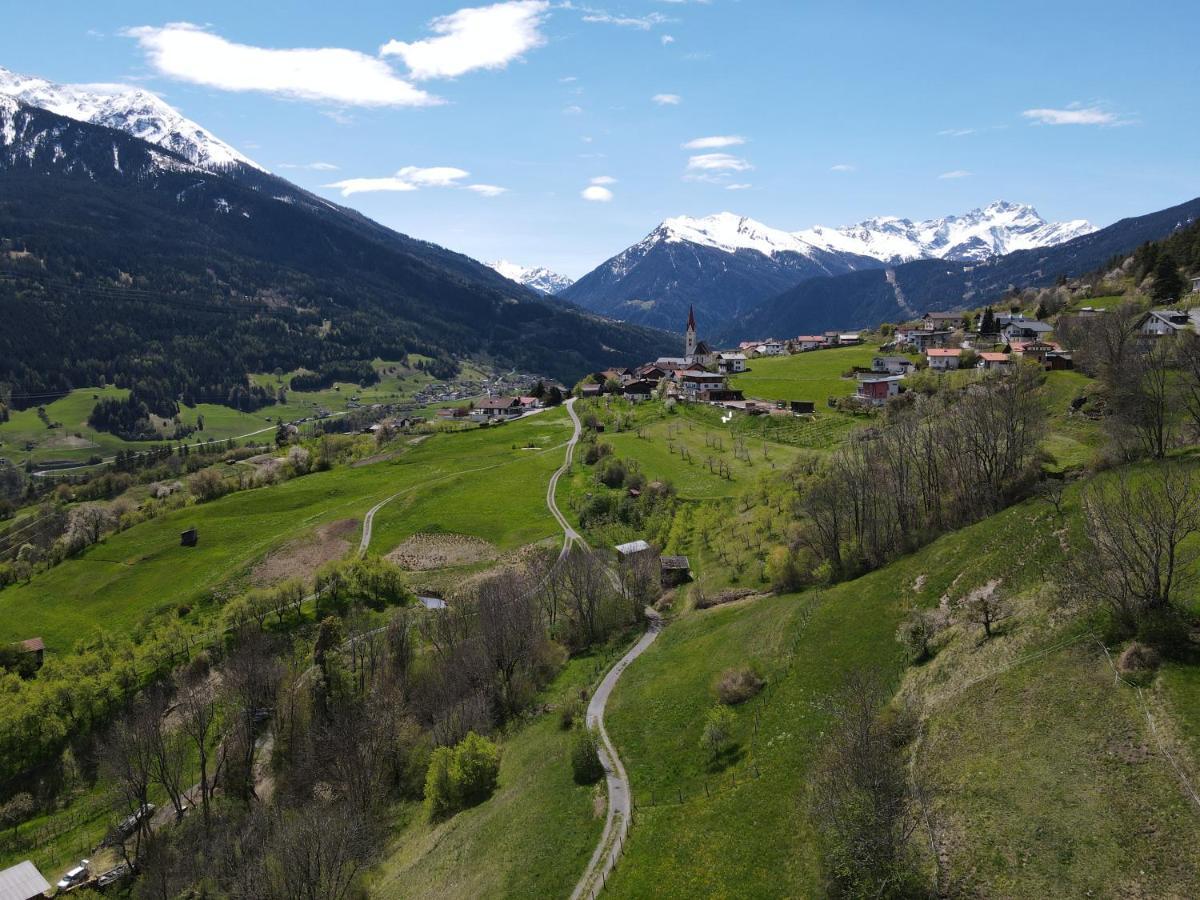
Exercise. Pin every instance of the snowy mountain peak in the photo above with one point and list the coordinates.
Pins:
(729, 232)
(136, 112)
(539, 278)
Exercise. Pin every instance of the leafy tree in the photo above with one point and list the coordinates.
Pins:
(719, 722)
(585, 757)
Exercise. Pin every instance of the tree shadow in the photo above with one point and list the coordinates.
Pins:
(727, 756)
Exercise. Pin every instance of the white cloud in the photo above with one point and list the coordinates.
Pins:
(716, 142)
(487, 190)
(604, 179)
(642, 23)
(842, 167)
(956, 132)
(1073, 115)
(717, 162)
(667, 99)
(484, 37)
(667, 39)
(414, 178)
(597, 194)
(189, 53)
(955, 173)
(738, 187)
(572, 110)
(311, 167)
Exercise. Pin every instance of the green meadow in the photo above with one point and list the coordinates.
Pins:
(815, 376)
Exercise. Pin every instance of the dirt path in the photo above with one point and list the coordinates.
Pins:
(570, 535)
(620, 798)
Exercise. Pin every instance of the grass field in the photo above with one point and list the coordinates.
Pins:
(532, 838)
(136, 574)
(815, 376)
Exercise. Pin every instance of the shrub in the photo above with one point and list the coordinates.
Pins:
(612, 473)
(738, 685)
(439, 787)
(207, 484)
(585, 758)
(462, 776)
(596, 450)
(914, 635)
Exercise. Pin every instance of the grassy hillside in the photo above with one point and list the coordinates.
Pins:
(814, 376)
(138, 573)
(1044, 776)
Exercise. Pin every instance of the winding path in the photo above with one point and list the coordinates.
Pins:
(570, 535)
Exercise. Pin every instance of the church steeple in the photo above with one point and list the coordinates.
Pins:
(689, 344)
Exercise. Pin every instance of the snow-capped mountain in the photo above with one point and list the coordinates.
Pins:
(136, 112)
(726, 264)
(1000, 227)
(541, 279)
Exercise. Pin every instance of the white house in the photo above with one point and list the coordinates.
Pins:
(498, 407)
(995, 361)
(1026, 330)
(809, 342)
(1158, 322)
(942, 359)
(771, 348)
(892, 365)
(692, 383)
(731, 363)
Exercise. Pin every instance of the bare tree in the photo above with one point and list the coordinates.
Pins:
(508, 630)
(128, 762)
(198, 721)
(1137, 556)
(320, 854)
(1143, 399)
(640, 582)
(585, 587)
(986, 607)
(860, 793)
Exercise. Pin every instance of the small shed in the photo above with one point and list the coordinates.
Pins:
(676, 570)
(189, 538)
(36, 647)
(803, 406)
(22, 882)
(632, 549)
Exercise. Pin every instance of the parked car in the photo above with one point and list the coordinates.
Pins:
(130, 823)
(75, 877)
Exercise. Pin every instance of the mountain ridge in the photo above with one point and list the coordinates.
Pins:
(538, 278)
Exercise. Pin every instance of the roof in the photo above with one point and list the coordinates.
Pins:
(498, 403)
(691, 319)
(34, 644)
(819, 338)
(741, 356)
(881, 379)
(22, 881)
(1030, 325)
(632, 547)
(944, 316)
(675, 562)
(943, 351)
(994, 357)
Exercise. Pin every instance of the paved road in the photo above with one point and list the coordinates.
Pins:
(620, 798)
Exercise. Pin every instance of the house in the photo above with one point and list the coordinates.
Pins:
(943, 359)
(37, 648)
(940, 321)
(691, 384)
(1196, 284)
(809, 342)
(22, 882)
(453, 412)
(877, 390)
(731, 363)
(747, 346)
(1057, 360)
(675, 570)
(1035, 350)
(650, 372)
(619, 375)
(703, 356)
(921, 340)
(892, 365)
(771, 347)
(995, 361)
(849, 339)
(638, 391)
(528, 403)
(499, 407)
(1025, 330)
(591, 390)
(1159, 322)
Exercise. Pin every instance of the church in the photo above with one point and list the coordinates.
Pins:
(695, 351)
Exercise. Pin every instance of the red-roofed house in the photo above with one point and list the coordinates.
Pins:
(810, 342)
(994, 361)
(942, 359)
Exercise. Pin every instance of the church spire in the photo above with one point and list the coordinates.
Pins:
(691, 319)
(689, 342)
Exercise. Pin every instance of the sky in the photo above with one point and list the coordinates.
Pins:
(557, 133)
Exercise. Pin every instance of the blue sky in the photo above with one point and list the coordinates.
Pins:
(830, 113)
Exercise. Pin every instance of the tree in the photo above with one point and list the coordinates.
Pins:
(719, 722)
(985, 607)
(987, 324)
(860, 792)
(439, 786)
(475, 769)
(585, 757)
(1138, 552)
(1168, 283)
(19, 808)
(1143, 400)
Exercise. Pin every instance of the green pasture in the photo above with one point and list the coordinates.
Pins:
(815, 375)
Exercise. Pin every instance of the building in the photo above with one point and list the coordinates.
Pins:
(877, 389)
(1159, 322)
(499, 407)
(691, 384)
(619, 375)
(689, 340)
(627, 553)
(1025, 330)
(940, 321)
(675, 570)
(995, 361)
(770, 347)
(731, 363)
(22, 882)
(942, 359)
(638, 391)
(591, 390)
(1196, 284)
(809, 342)
(528, 403)
(1035, 350)
(720, 395)
(36, 647)
(921, 340)
(892, 365)
(849, 339)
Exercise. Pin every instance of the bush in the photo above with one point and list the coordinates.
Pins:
(207, 484)
(596, 451)
(738, 685)
(914, 635)
(462, 776)
(612, 473)
(718, 730)
(585, 758)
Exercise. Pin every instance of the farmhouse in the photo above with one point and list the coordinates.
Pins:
(995, 361)
(892, 365)
(638, 391)
(939, 321)
(809, 342)
(1159, 322)
(692, 383)
(1025, 330)
(500, 407)
(22, 882)
(877, 390)
(731, 363)
(942, 359)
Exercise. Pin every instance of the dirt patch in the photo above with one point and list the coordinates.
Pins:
(371, 460)
(720, 598)
(439, 551)
(301, 558)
